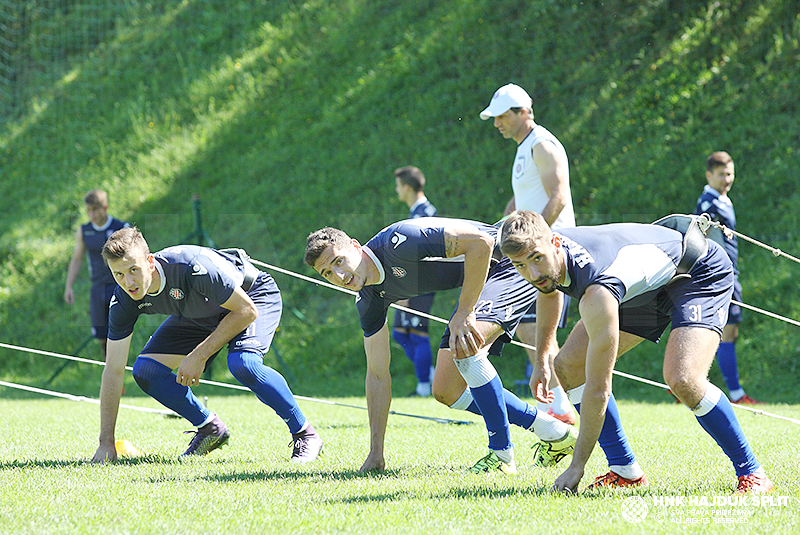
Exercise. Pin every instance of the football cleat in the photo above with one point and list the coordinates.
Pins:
(206, 439)
(612, 480)
(755, 483)
(306, 445)
(492, 462)
(747, 400)
(548, 454)
(568, 418)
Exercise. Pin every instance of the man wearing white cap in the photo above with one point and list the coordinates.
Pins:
(540, 183)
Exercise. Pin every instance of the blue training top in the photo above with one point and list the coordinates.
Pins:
(633, 261)
(411, 258)
(195, 281)
(720, 209)
(93, 239)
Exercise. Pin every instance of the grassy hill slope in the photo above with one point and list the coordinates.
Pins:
(287, 116)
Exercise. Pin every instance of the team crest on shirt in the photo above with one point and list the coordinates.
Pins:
(398, 272)
(519, 167)
(176, 293)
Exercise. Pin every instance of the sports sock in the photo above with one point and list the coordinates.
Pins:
(548, 428)
(726, 357)
(716, 416)
(158, 382)
(268, 385)
(487, 391)
(422, 357)
(519, 412)
(612, 437)
(561, 404)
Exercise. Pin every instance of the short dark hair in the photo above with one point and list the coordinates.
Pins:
(124, 242)
(96, 197)
(718, 159)
(521, 230)
(320, 240)
(411, 176)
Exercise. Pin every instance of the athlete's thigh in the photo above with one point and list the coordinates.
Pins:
(690, 353)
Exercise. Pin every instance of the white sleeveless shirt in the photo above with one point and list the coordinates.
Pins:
(529, 192)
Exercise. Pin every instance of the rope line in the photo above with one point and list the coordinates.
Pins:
(162, 412)
(202, 381)
(302, 398)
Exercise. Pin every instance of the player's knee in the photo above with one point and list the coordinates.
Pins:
(243, 366)
(146, 370)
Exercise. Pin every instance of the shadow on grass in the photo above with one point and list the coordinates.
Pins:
(61, 463)
(267, 475)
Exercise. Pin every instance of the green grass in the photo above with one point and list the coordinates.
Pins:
(47, 485)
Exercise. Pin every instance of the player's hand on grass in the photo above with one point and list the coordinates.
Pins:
(569, 480)
(105, 453)
(464, 334)
(374, 463)
(190, 370)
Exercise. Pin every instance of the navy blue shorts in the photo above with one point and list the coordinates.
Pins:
(700, 301)
(99, 299)
(179, 336)
(735, 311)
(405, 320)
(505, 298)
(530, 315)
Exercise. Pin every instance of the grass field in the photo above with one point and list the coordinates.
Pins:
(47, 485)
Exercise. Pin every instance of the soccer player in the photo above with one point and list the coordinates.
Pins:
(89, 240)
(411, 330)
(715, 202)
(540, 182)
(212, 298)
(631, 281)
(419, 256)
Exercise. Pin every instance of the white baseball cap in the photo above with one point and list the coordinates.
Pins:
(507, 97)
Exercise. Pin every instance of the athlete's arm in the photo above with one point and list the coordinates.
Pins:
(554, 172)
(74, 266)
(379, 396)
(600, 315)
(476, 246)
(110, 393)
(242, 313)
(548, 313)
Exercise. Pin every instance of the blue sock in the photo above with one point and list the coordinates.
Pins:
(268, 385)
(492, 407)
(726, 357)
(422, 357)
(519, 412)
(612, 437)
(716, 416)
(159, 382)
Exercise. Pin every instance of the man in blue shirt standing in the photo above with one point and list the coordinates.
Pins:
(212, 299)
(715, 202)
(411, 330)
(89, 240)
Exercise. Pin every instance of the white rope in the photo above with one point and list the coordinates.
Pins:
(82, 398)
(775, 251)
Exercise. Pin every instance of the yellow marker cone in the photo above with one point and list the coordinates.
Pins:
(125, 448)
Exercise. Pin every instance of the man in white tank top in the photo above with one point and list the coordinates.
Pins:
(540, 182)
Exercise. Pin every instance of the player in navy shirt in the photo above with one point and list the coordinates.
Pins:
(89, 240)
(715, 202)
(411, 330)
(631, 281)
(212, 299)
(419, 256)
